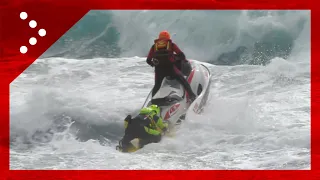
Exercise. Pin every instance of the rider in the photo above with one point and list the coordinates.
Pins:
(161, 55)
(148, 126)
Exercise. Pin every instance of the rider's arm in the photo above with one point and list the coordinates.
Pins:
(156, 135)
(177, 50)
(150, 55)
(127, 120)
(160, 123)
(152, 131)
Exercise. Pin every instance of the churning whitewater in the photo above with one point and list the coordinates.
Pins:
(67, 108)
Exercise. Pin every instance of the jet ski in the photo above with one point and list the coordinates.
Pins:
(172, 98)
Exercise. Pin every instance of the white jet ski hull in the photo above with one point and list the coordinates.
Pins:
(172, 98)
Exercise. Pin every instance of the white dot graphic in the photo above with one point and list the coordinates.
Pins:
(33, 41)
(23, 15)
(23, 49)
(33, 24)
(42, 32)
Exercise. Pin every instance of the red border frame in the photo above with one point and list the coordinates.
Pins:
(58, 16)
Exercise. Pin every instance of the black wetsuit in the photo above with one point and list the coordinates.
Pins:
(135, 129)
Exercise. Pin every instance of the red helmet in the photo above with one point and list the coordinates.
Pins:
(164, 35)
